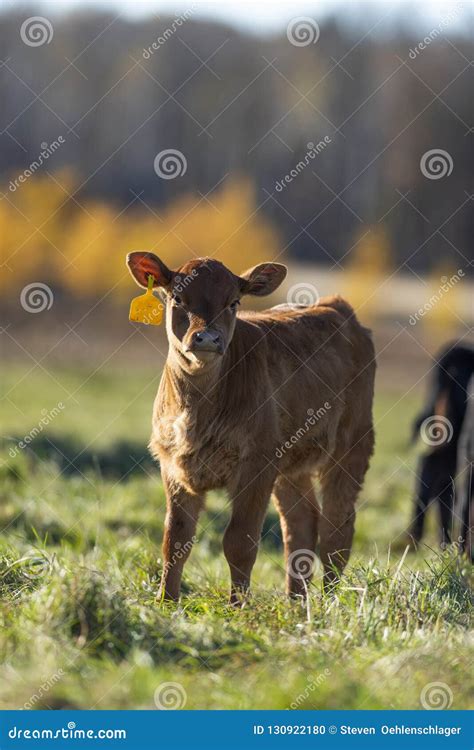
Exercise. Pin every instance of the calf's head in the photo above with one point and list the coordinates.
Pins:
(202, 298)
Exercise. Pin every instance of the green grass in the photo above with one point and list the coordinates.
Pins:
(80, 564)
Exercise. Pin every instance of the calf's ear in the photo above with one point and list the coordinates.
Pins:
(143, 265)
(262, 279)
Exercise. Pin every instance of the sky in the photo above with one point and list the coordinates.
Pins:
(273, 15)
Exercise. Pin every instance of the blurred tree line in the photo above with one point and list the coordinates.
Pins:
(242, 110)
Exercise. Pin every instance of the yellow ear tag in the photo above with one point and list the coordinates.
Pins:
(146, 308)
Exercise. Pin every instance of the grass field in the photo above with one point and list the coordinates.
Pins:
(81, 514)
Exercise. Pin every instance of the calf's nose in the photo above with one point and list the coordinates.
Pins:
(206, 341)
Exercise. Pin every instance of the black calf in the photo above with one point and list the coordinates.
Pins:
(447, 425)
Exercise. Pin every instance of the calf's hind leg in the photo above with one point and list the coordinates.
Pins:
(298, 509)
(341, 483)
(242, 535)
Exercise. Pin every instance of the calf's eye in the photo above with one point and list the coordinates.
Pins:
(233, 306)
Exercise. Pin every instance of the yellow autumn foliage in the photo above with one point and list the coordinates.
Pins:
(49, 234)
(444, 302)
(368, 265)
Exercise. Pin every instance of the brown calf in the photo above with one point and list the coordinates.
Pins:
(258, 403)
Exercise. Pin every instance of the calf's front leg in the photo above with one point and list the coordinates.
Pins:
(179, 535)
(250, 497)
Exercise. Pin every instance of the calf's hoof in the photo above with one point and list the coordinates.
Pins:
(238, 598)
(164, 595)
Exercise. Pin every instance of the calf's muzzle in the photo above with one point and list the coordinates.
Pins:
(206, 340)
